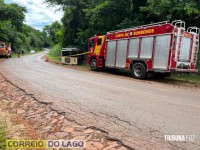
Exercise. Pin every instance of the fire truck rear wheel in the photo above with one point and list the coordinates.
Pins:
(139, 71)
(93, 65)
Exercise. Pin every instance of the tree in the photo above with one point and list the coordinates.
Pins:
(187, 10)
(73, 20)
(54, 33)
(13, 13)
(13, 30)
(85, 18)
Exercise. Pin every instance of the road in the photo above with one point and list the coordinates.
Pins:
(138, 113)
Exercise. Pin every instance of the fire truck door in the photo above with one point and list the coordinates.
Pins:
(99, 45)
(121, 53)
(184, 56)
(161, 53)
(110, 54)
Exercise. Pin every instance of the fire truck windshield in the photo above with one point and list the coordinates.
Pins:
(91, 44)
(99, 41)
(1, 45)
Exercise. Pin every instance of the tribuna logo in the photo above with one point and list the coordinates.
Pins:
(179, 138)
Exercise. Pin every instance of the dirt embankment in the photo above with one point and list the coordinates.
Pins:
(13, 126)
(26, 118)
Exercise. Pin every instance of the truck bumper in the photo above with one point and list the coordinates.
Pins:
(3, 54)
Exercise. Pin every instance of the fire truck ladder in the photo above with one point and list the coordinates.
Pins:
(138, 27)
(193, 29)
(178, 23)
(180, 46)
(181, 25)
(197, 31)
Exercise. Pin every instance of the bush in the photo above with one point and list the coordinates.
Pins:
(55, 51)
(2, 135)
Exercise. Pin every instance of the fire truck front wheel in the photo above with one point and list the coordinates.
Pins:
(139, 71)
(93, 65)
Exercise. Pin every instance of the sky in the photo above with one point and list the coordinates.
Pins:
(38, 13)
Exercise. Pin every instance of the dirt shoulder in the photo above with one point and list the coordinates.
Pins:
(14, 127)
(25, 117)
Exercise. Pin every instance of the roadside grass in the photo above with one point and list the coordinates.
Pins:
(193, 78)
(55, 54)
(2, 135)
(55, 51)
(55, 59)
(15, 55)
(84, 65)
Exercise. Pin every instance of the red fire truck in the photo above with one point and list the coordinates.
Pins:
(154, 48)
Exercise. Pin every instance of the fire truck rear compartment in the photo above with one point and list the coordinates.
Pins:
(139, 49)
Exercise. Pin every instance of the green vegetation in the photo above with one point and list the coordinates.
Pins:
(55, 59)
(54, 33)
(190, 78)
(55, 51)
(12, 29)
(85, 18)
(2, 135)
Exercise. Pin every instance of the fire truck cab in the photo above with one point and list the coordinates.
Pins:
(157, 48)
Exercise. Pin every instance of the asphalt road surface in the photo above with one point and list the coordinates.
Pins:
(138, 113)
